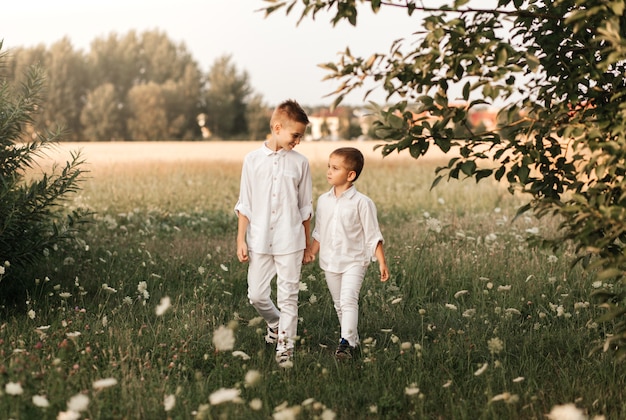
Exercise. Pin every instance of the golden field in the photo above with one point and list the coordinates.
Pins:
(221, 151)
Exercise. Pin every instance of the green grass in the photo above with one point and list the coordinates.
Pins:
(462, 275)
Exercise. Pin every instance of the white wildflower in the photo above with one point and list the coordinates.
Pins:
(223, 395)
(256, 404)
(40, 401)
(78, 403)
(433, 224)
(460, 293)
(241, 354)
(469, 313)
(481, 370)
(253, 377)
(169, 402)
(13, 388)
(104, 383)
(108, 289)
(411, 390)
(223, 339)
(566, 412)
(163, 306)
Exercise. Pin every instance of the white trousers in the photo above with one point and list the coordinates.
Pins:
(284, 315)
(344, 289)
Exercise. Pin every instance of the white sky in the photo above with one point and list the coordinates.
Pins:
(281, 58)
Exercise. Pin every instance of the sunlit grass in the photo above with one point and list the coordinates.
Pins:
(474, 323)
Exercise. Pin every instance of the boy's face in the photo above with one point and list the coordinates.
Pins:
(338, 173)
(288, 134)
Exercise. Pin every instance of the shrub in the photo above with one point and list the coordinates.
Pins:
(32, 219)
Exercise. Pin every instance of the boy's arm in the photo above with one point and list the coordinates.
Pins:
(242, 246)
(382, 263)
(308, 257)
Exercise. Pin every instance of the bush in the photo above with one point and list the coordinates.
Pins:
(32, 219)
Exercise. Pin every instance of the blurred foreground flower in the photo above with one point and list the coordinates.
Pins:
(253, 377)
(163, 306)
(40, 401)
(566, 412)
(223, 339)
(223, 395)
(169, 402)
(256, 404)
(68, 415)
(495, 345)
(411, 390)
(104, 383)
(243, 355)
(482, 369)
(13, 388)
(78, 403)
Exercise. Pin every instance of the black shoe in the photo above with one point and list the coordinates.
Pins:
(344, 350)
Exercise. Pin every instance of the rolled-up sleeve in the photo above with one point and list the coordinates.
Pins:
(305, 193)
(244, 205)
(371, 229)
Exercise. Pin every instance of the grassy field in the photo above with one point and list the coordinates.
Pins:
(147, 316)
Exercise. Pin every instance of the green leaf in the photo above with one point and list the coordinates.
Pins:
(468, 167)
(483, 173)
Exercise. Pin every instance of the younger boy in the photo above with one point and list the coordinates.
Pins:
(347, 237)
(274, 211)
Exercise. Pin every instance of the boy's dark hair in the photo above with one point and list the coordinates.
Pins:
(353, 158)
(291, 110)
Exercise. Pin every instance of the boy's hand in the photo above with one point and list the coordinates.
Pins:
(308, 257)
(384, 272)
(242, 251)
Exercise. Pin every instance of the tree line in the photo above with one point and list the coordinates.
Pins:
(138, 86)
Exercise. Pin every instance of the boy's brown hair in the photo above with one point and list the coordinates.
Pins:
(289, 110)
(353, 159)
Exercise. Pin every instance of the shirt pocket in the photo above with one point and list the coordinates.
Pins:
(349, 218)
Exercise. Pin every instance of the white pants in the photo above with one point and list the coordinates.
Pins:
(261, 270)
(344, 289)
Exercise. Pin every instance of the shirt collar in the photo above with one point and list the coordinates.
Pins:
(349, 193)
(269, 151)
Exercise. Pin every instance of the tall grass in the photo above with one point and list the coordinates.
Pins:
(474, 323)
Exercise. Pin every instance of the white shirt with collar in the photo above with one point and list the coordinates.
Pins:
(276, 196)
(347, 229)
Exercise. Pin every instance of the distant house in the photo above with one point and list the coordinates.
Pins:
(326, 124)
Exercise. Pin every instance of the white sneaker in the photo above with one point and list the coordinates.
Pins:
(271, 336)
(284, 358)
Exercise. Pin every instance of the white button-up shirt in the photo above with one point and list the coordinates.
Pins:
(276, 197)
(347, 229)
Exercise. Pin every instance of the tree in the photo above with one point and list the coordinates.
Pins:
(101, 116)
(225, 100)
(65, 89)
(560, 65)
(148, 115)
(149, 58)
(31, 220)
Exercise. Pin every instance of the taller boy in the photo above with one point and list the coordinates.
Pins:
(274, 210)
